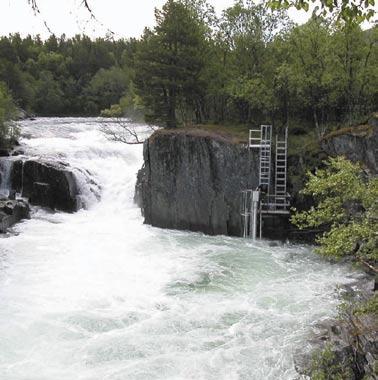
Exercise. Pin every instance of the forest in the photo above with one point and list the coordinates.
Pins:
(251, 65)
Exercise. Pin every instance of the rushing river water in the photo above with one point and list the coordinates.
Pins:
(97, 295)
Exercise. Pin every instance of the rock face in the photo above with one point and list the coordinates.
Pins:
(192, 181)
(358, 143)
(352, 341)
(11, 212)
(47, 184)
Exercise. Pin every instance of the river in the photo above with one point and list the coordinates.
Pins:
(98, 295)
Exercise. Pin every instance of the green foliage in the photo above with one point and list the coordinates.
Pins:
(8, 112)
(346, 10)
(170, 63)
(62, 76)
(325, 366)
(108, 86)
(347, 205)
(368, 307)
(115, 110)
(248, 66)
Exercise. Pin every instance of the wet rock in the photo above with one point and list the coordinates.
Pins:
(4, 152)
(17, 152)
(11, 212)
(41, 195)
(192, 181)
(352, 340)
(46, 183)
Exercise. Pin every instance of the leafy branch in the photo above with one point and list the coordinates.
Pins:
(347, 205)
(347, 10)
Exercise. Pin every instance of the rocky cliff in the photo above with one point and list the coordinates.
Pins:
(192, 180)
(358, 143)
(46, 183)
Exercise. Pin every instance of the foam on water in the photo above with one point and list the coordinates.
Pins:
(98, 295)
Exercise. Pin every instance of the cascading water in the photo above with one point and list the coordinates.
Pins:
(98, 295)
(5, 176)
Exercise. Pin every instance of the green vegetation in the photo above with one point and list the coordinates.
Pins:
(368, 307)
(8, 111)
(169, 65)
(357, 11)
(61, 76)
(326, 366)
(347, 205)
(248, 66)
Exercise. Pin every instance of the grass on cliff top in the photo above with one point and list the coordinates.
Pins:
(363, 127)
(302, 136)
(237, 134)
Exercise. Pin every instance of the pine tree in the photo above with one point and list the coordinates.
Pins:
(170, 62)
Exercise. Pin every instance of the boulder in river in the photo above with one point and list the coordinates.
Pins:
(192, 180)
(11, 212)
(46, 183)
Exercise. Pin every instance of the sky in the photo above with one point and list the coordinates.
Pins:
(126, 18)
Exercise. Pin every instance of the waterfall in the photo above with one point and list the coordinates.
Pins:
(5, 176)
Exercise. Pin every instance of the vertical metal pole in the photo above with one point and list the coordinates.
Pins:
(254, 211)
(261, 221)
(245, 214)
(254, 219)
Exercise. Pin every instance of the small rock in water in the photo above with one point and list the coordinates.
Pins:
(273, 244)
(11, 212)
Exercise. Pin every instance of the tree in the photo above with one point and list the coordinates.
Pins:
(355, 74)
(347, 10)
(246, 32)
(108, 86)
(169, 64)
(347, 206)
(50, 99)
(8, 111)
(309, 63)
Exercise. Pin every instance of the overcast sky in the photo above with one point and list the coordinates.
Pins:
(127, 18)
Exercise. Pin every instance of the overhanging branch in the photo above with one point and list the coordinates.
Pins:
(125, 132)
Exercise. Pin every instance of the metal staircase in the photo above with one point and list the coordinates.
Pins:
(262, 140)
(262, 202)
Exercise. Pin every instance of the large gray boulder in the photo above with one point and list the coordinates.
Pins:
(192, 180)
(46, 183)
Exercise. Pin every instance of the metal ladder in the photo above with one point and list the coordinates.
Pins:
(262, 139)
(280, 190)
(265, 157)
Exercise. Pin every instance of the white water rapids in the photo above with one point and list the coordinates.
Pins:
(98, 295)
